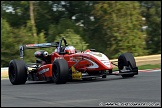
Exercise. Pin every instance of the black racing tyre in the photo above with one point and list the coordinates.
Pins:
(17, 72)
(60, 71)
(127, 59)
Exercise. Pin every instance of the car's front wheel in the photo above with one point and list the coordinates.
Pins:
(127, 62)
(60, 71)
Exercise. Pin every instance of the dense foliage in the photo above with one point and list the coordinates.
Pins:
(111, 27)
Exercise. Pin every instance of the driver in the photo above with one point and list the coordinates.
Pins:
(66, 49)
(69, 50)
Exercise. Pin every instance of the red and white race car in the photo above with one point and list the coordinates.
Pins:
(65, 64)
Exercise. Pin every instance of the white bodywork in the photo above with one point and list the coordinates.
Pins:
(101, 57)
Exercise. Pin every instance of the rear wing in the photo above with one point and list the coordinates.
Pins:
(34, 46)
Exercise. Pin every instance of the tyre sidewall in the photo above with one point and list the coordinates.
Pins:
(126, 59)
(20, 70)
(62, 71)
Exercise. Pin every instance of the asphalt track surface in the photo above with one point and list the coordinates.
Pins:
(142, 88)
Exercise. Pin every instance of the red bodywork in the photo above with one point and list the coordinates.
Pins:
(83, 60)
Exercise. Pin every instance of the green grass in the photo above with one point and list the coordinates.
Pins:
(4, 76)
(147, 66)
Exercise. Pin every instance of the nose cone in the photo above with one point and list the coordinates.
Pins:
(101, 60)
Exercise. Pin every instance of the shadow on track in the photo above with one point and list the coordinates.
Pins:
(81, 81)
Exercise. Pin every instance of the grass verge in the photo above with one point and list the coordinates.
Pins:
(147, 66)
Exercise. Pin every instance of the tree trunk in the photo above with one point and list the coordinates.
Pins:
(32, 20)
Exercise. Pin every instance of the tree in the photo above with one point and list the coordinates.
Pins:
(33, 20)
(16, 13)
(8, 45)
(151, 11)
(24, 35)
(73, 39)
(121, 23)
(45, 15)
(64, 24)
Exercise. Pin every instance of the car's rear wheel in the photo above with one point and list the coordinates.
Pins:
(60, 71)
(127, 61)
(17, 72)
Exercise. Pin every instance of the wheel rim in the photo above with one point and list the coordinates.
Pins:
(12, 73)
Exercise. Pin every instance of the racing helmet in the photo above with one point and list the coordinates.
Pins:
(70, 50)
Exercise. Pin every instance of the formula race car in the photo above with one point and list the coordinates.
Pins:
(66, 63)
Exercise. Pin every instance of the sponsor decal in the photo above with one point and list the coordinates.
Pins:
(44, 70)
(76, 59)
(37, 53)
(73, 69)
(29, 45)
(76, 74)
(36, 45)
(47, 43)
(58, 58)
(106, 62)
(43, 44)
